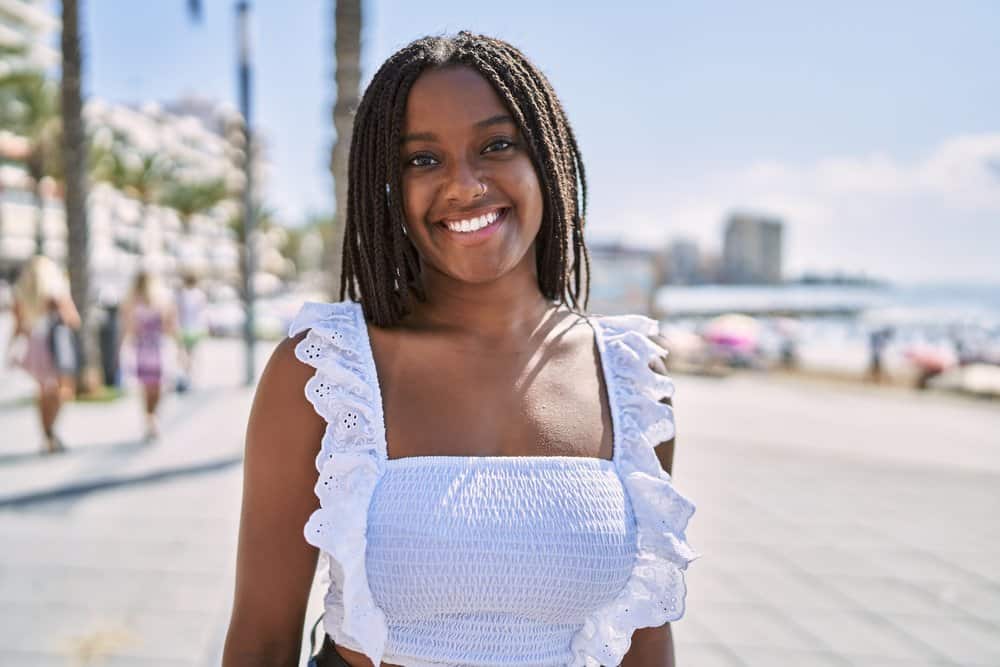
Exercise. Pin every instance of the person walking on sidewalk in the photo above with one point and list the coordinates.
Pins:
(191, 303)
(45, 322)
(483, 465)
(148, 317)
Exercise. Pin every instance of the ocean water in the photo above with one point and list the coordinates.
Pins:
(951, 319)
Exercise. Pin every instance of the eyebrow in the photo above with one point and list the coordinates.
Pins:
(499, 119)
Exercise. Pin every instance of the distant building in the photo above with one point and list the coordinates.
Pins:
(684, 265)
(752, 250)
(622, 280)
(125, 235)
(29, 27)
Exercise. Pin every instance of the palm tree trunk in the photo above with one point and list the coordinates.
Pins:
(74, 150)
(347, 50)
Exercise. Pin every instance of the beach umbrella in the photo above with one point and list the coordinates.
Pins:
(930, 359)
(738, 332)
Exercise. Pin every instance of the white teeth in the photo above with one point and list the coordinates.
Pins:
(473, 224)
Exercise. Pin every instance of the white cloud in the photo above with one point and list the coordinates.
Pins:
(936, 217)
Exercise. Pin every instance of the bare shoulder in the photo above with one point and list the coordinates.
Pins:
(283, 366)
(280, 402)
(282, 418)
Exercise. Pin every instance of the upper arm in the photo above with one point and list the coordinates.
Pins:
(651, 647)
(275, 565)
(664, 450)
(17, 310)
(68, 312)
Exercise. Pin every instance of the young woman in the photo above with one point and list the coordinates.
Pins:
(147, 318)
(45, 316)
(491, 461)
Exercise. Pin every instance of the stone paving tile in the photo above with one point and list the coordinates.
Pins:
(705, 655)
(801, 593)
(708, 586)
(869, 661)
(91, 587)
(690, 630)
(887, 596)
(749, 626)
(914, 565)
(826, 561)
(982, 602)
(864, 635)
(767, 657)
(36, 659)
(179, 635)
(964, 641)
(746, 559)
(984, 563)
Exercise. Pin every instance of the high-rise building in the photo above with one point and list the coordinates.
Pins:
(684, 263)
(752, 249)
(27, 35)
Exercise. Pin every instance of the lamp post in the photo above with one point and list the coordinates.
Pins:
(244, 74)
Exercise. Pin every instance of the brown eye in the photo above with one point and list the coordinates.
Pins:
(422, 161)
(498, 145)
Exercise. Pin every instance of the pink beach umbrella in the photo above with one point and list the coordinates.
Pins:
(736, 332)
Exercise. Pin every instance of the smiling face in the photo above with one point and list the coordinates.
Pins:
(472, 198)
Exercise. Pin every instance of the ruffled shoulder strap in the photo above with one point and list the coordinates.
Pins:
(345, 392)
(654, 594)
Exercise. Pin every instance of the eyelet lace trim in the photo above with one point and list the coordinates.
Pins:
(344, 391)
(655, 592)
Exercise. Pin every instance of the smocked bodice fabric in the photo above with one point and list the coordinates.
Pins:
(476, 561)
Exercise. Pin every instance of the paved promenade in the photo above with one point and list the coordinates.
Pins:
(838, 525)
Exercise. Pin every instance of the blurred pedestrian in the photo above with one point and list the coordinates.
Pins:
(147, 318)
(45, 320)
(493, 462)
(877, 342)
(191, 304)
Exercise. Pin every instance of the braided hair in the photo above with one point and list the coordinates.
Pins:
(380, 264)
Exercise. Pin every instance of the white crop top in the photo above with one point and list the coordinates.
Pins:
(461, 561)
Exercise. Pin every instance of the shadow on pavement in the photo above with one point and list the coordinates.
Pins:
(92, 486)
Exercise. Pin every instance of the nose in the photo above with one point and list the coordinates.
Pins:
(464, 184)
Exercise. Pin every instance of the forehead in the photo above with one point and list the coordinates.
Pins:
(454, 96)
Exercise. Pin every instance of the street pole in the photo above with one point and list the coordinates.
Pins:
(243, 44)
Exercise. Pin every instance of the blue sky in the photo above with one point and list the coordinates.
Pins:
(866, 126)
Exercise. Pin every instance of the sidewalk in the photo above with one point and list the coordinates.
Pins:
(105, 447)
(836, 526)
(121, 553)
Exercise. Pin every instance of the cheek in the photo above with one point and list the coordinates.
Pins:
(529, 194)
(416, 201)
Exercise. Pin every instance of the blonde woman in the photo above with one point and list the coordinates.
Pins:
(45, 317)
(147, 317)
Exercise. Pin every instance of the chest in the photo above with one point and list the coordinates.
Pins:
(542, 400)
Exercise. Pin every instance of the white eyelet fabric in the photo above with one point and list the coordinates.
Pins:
(492, 561)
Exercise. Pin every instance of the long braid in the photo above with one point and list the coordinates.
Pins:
(381, 267)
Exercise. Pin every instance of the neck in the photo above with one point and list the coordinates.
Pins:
(510, 305)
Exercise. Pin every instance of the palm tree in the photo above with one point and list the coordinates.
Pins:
(28, 108)
(146, 177)
(189, 199)
(74, 161)
(347, 51)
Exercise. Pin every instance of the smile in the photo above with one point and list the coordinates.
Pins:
(470, 225)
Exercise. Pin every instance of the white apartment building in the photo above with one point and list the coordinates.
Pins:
(28, 26)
